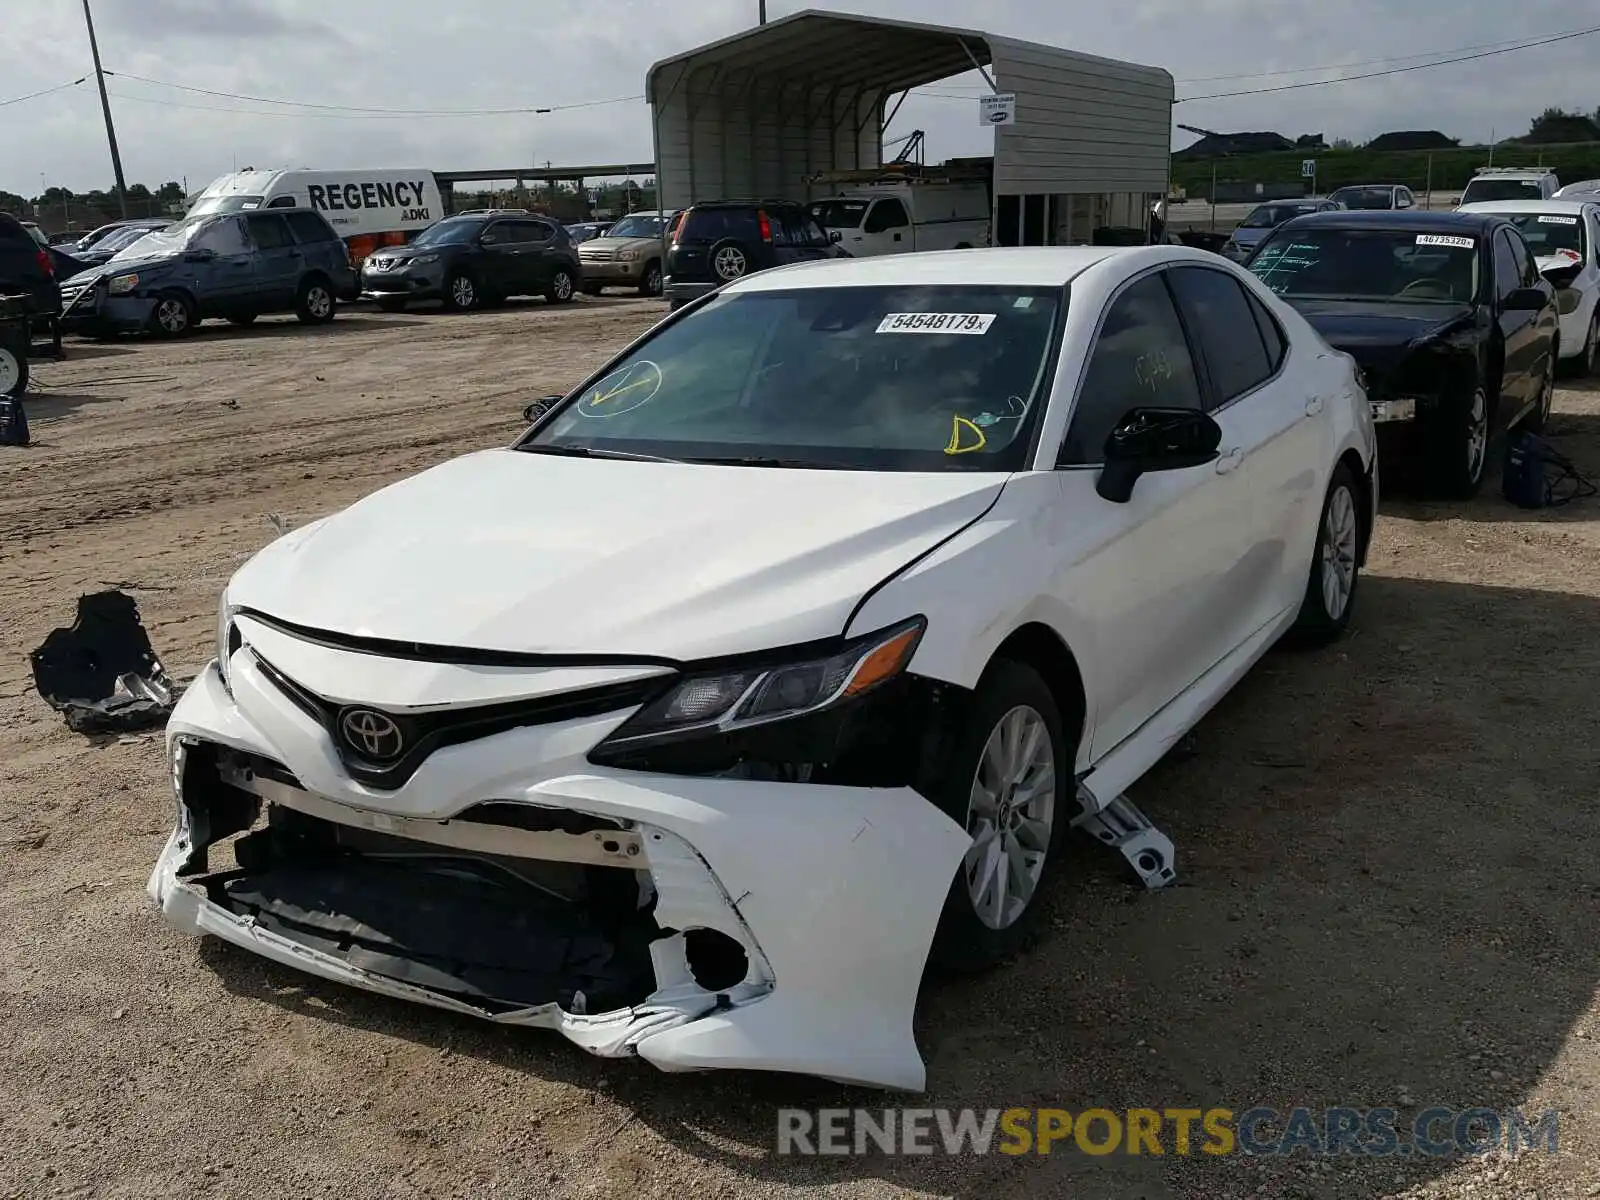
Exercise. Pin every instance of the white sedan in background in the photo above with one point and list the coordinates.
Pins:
(774, 662)
(1564, 236)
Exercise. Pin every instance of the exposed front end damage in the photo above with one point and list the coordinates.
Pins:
(698, 923)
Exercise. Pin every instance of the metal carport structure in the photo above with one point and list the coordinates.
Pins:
(756, 114)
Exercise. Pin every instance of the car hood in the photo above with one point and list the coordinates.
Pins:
(98, 270)
(1559, 262)
(536, 554)
(615, 244)
(1379, 335)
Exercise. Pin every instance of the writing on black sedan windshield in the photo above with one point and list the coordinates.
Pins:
(887, 378)
(1369, 264)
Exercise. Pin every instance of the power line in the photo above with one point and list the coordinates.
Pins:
(358, 110)
(1444, 62)
(60, 87)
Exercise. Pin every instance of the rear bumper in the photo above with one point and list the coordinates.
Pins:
(833, 893)
(679, 293)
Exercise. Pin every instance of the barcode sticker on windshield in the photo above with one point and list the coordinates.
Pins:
(1551, 220)
(1440, 239)
(936, 323)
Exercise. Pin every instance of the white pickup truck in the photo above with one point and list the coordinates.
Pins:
(898, 218)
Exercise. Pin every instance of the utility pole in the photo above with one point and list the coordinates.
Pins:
(761, 10)
(105, 107)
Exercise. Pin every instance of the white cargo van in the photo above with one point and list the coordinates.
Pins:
(897, 218)
(368, 209)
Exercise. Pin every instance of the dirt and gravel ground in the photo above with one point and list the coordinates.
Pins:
(1388, 853)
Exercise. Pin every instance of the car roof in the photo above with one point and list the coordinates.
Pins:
(1019, 266)
(1571, 208)
(1400, 220)
(1355, 187)
(748, 204)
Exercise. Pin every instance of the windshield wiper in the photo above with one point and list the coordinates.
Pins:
(760, 461)
(591, 452)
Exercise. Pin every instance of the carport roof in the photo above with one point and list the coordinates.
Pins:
(826, 49)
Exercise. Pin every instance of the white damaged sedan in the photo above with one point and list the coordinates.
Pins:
(775, 661)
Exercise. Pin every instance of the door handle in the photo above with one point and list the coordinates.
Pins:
(1230, 460)
(1313, 406)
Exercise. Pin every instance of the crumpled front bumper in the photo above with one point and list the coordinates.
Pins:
(833, 892)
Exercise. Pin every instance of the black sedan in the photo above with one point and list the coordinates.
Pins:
(1448, 317)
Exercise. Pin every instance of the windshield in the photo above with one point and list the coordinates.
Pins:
(123, 238)
(448, 233)
(1549, 233)
(224, 204)
(639, 225)
(1269, 216)
(174, 239)
(1364, 197)
(1369, 264)
(883, 378)
(1501, 189)
(840, 214)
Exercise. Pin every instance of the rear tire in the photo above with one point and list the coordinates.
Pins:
(1587, 361)
(315, 305)
(1009, 784)
(13, 374)
(1539, 417)
(1335, 564)
(562, 287)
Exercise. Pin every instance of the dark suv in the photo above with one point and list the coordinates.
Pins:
(715, 243)
(233, 265)
(473, 259)
(26, 270)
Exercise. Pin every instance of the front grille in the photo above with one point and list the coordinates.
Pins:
(596, 254)
(420, 734)
(380, 264)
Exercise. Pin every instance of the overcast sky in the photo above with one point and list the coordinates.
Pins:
(454, 54)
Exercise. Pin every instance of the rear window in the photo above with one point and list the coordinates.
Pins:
(307, 227)
(943, 378)
(1502, 189)
(713, 224)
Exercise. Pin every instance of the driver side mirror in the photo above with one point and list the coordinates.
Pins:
(1155, 439)
(1525, 299)
(539, 407)
(488, 239)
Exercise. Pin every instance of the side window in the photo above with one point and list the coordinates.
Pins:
(498, 233)
(309, 229)
(535, 232)
(886, 215)
(1219, 316)
(281, 202)
(225, 235)
(1140, 359)
(1527, 269)
(269, 233)
(1507, 271)
(1271, 332)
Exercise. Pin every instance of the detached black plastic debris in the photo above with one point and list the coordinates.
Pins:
(102, 674)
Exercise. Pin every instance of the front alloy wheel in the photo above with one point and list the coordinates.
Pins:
(1006, 781)
(460, 293)
(1456, 444)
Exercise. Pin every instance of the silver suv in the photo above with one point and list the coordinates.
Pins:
(1510, 183)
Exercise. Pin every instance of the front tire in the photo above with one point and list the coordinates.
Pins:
(315, 304)
(650, 285)
(1456, 443)
(1335, 566)
(173, 315)
(1009, 785)
(460, 293)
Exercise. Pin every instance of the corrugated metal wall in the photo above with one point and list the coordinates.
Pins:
(726, 138)
(1084, 124)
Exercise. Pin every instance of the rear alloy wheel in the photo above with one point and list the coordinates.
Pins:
(1008, 785)
(561, 288)
(315, 304)
(173, 315)
(13, 373)
(460, 293)
(1456, 437)
(1335, 566)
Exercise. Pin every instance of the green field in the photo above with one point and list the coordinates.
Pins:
(1336, 168)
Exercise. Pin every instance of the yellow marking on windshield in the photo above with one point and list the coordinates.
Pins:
(597, 398)
(957, 424)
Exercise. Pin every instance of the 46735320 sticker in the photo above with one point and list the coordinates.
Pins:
(969, 323)
(1444, 239)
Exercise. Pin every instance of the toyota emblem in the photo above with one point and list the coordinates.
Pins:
(371, 734)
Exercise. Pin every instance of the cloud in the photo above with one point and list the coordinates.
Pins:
(419, 54)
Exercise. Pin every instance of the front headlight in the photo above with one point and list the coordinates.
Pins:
(627, 255)
(123, 284)
(228, 639)
(742, 697)
(423, 260)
